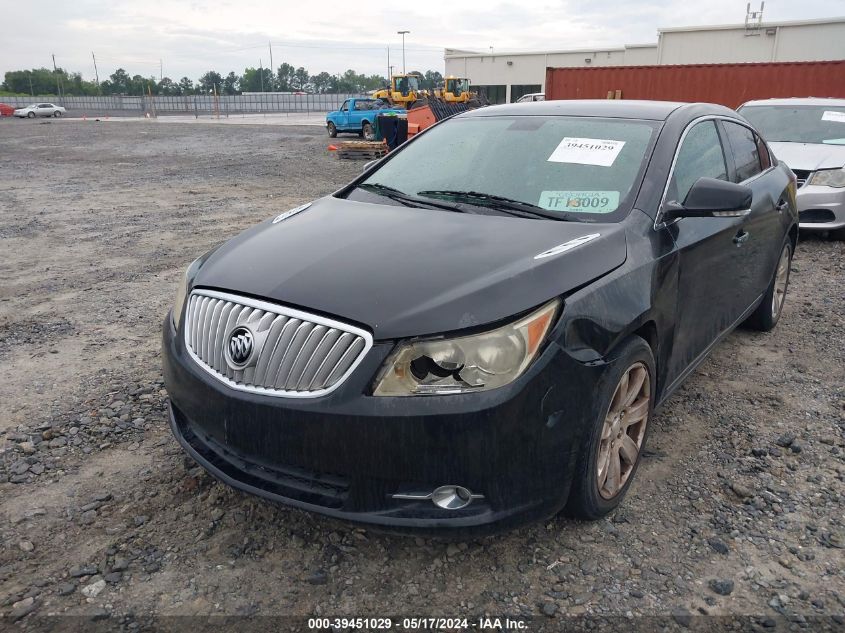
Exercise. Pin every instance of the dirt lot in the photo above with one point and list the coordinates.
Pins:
(739, 507)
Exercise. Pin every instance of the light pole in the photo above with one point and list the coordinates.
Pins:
(402, 33)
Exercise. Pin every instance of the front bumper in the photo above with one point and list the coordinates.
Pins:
(346, 453)
(821, 208)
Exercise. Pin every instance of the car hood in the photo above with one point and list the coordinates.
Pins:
(810, 156)
(404, 271)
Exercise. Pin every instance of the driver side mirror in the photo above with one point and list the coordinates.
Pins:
(710, 197)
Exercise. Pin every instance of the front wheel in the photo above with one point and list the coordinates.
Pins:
(332, 128)
(30, 115)
(611, 449)
(767, 314)
(367, 131)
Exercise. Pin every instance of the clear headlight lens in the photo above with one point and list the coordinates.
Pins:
(468, 363)
(828, 178)
(182, 291)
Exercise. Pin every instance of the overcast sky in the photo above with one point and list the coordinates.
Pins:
(190, 37)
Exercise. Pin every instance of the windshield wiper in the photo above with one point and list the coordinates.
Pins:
(500, 203)
(404, 198)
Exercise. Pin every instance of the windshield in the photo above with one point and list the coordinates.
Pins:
(798, 124)
(457, 86)
(580, 168)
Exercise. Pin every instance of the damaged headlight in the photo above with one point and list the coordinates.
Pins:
(828, 178)
(468, 363)
(182, 291)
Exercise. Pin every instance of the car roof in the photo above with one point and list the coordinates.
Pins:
(797, 101)
(610, 108)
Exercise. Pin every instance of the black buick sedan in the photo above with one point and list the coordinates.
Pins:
(476, 332)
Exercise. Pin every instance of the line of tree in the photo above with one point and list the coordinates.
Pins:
(287, 78)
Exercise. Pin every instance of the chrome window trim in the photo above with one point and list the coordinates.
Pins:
(708, 117)
(283, 311)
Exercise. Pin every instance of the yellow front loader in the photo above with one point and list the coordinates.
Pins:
(404, 90)
(455, 90)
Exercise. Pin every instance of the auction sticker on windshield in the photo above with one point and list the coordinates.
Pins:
(587, 151)
(833, 115)
(580, 201)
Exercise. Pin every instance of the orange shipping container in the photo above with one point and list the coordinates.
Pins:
(728, 84)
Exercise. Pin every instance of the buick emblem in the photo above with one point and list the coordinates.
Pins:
(239, 347)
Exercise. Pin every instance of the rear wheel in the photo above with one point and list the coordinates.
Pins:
(767, 314)
(57, 114)
(332, 128)
(611, 449)
(367, 131)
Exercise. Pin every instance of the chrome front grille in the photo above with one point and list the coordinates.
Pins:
(294, 354)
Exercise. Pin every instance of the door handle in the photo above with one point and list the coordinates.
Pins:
(741, 237)
(780, 206)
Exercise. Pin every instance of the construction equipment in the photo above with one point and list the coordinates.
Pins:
(454, 90)
(433, 110)
(404, 90)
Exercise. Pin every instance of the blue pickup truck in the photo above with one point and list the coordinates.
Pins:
(359, 116)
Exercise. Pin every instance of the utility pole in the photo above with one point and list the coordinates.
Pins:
(96, 73)
(261, 74)
(389, 67)
(403, 33)
(160, 70)
(31, 91)
(272, 68)
(58, 82)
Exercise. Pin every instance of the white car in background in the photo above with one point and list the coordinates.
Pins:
(532, 96)
(809, 136)
(40, 109)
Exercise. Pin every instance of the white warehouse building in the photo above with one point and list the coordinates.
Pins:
(504, 77)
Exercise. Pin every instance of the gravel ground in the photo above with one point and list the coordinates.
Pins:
(737, 509)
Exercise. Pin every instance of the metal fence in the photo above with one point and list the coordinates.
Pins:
(198, 105)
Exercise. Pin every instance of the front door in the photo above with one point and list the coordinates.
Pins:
(343, 119)
(709, 250)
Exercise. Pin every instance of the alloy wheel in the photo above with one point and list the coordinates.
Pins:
(781, 281)
(623, 430)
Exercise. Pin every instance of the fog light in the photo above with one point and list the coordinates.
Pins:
(451, 497)
(445, 497)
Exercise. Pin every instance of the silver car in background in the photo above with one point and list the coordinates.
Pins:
(532, 96)
(40, 109)
(809, 136)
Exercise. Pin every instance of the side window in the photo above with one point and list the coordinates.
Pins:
(344, 107)
(700, 155)
(744, 148)
(763, 150)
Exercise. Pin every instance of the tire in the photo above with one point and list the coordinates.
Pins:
(592, 495)
(57, 114)
(838, 234)
(30, 115)
(332, 128)
(767, 314)
(367, 131)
